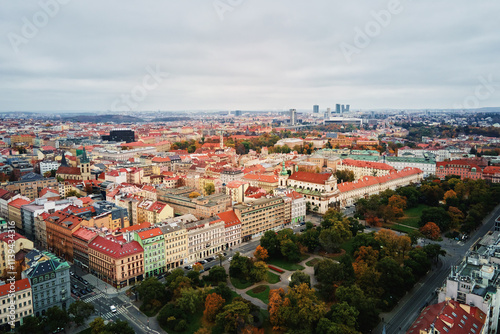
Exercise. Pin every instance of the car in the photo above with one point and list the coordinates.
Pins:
(85, 282)
(58, 330)
(72, 273)
(75, 286)
(113, 308)
(203, 262)
(202, 271)
(225, 254)
(83, 292)
(230, 259)
(302, 223)
(302, 229)
(73, 291)
(77, 294)
(161, 276)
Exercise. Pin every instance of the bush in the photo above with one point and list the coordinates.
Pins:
(276, 269)
(181, 326)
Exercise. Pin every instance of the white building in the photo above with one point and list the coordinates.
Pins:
(298, 207)
(47, 166)
(19, 295)
(232, 229)
(206, 238)
(428, 166)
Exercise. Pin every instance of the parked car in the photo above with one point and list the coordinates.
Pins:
(230, 259)
(85, 282)
(203, 262)
(72, 273)
(83, 292)
(75, 286)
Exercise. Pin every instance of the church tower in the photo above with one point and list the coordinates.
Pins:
(283, 177)
(85, 166)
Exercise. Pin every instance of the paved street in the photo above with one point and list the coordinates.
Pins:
(400, 319)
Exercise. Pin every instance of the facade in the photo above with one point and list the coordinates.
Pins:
(47, 166)
(10, 245)
(30, 211)
(260, 216)
(427, 165)
(50, 281)
(236, 190)
(118, 135)
(475, 281)
(464, 168)
(266, 182)
(232, 229)
(298, 204)
(362, 168)
(350, 192)
(60, 227)
(153, 211)
(176, 243)
(153, 243)
(14, 208)
(205, 238)
(19, 295)
(81, 239)
(492, 174)
(117, 263)
(228, 175)
(31, 189)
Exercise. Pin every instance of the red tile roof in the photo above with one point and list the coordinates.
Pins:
(154, 232)
(310, 177)
(84, 234)
(114, 248)
(17, 203)
(230, 218)
(6, 236)
(261, 178)
(68, 170)
(491, 170)
(19, 285)
(136, 227)
(366, 164)
(367, 181)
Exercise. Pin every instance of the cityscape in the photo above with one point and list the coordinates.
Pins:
(249, 167)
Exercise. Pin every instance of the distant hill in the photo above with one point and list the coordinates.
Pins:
(170, 119)
(104, 119)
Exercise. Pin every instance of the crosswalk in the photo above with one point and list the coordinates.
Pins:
(91, 298)
(110, 314)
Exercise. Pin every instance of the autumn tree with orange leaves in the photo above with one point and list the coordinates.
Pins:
(260, 253)
(213, 305)
(431, 231)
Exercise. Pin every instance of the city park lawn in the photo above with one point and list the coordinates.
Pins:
(412, 216)
(284, 264)
(260, 292)
(312, 263)
(240, 284)
(272, 278)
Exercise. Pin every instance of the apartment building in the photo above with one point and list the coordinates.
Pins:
(10, 245)
(81, 239)
(153, 243)
(427, 165)
(31, 188)
(205, 238)
(175, 242)
(362, 168)
(50, 281)
(298, 204)
(260, 216)
(264, 181)
(465, 168)
(14, 208)
(153, 211)
(17, 297)
(117, 263)
(36, 208)
(60, 227)
(232, 229)
(236, 190)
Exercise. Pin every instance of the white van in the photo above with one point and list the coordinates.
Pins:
(113, 308)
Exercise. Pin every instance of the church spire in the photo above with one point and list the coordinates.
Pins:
(84, 159)
(64, 163)
(283, 170)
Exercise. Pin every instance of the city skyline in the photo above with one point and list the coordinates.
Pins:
(240, 55)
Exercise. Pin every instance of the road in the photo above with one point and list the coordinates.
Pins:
(406, 313)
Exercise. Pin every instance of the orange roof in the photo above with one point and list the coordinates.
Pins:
(491, 170)
(367, 181)
(230, 218)
(310, 177)
(17, 203)
(19, 285)
(262, 178)
(84, 234)
(366, 164)
(136, 227)
(114, 248)
(154, 232)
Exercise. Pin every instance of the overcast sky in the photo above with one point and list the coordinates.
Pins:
(248, 54)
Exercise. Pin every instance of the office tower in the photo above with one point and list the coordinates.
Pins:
(293, 116)
(237, 113)
(343, 108)
(347, 107)
(337, 108)
(126, 135)
(316, 109)
(327, 115)
(329, 111)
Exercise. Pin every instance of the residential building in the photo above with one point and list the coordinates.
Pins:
(17, 297)
(10, 245)
(81, 239)
(264, 181)
(50, 281)
(153, 243)
(175, 242)
(205, 238)
(232, 229)
(236, 190)
(153, 211)
(117, 263)
(31, 188)
(475, 281)
(465, 168)
(298, 204)
(492, 174)
(227, 175)
(47, 166)
(260, 216)
(30, 211)
(427, 165)
(14, 208)
(450, 317)
(5, 198)
(364, 168)
(60, 227)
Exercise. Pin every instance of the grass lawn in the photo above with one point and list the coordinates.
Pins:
(283, 264)
(260, 292)
(347, 246)
(238, 284)
(412, 216)
(312, 263)
(400, 228)
(272, 278)
(86, 331)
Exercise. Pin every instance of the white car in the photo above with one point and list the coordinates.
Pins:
(113, 308)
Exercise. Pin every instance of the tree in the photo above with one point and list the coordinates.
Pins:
(73, 193)
(151, 289)
(223, 290)
(190, 300)
(259, 271)
(97, 326)
(367, 255)
(55, 318)
(456, 217)
(80, 311)
(331, 239)
(217, 274)
(194, 194)
(213, 305)
(233, 317)
(344, 175)
(197, 267)
(260, 253)
(47, 174)
(118, 327)
(240, 266)
(276, 299)
(31, 325)
(209, 188)
(431, 231)
(433, 252)
(191, 149)
(290, 250)
(298, 278)
(270, 242)
(398, 205)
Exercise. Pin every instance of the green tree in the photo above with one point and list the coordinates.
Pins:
(209, 188)
(233, 317)
(190, 300)
(290, 250)
(119, 327)
(298, 278)
(438, 215)
(301, 309)
(331, 239)
(31, 325)
(80, 311)
(217, 274)
(97, 326)
(270, 242)
(151, 289)
(344, 176)
(55, 318)
(191, 149)
(259, 271)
